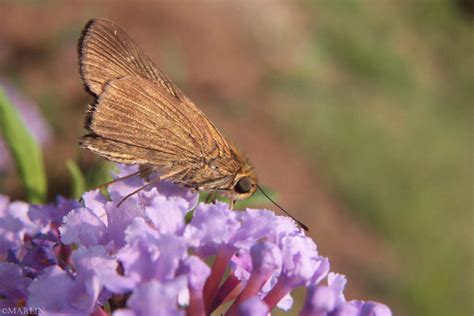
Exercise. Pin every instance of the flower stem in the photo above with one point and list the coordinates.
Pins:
(196, 304)
(217, 272)
(254, 284)
(227, 288)
(281, 288)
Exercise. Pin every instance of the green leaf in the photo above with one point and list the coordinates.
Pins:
(25, 151)
(99, 174)
(78, 180)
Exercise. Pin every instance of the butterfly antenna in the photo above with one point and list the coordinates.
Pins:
(282, 209)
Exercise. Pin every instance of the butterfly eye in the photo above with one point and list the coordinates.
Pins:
(244, 185)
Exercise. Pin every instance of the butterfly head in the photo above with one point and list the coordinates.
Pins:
(245, 185)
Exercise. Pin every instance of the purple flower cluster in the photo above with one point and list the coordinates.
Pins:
(151, 257)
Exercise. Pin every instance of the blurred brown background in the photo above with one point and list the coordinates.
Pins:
(357, 113)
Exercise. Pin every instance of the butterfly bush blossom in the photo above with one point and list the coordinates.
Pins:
(151, 255)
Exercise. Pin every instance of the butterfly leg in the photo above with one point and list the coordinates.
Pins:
(145, 171)
(153, 181)
(211, 198)
(231, 204)
(122, 178)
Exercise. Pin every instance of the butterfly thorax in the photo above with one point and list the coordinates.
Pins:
(229, 174)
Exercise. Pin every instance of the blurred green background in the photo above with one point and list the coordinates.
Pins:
(358, 113)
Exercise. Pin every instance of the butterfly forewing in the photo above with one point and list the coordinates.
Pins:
(106, 52)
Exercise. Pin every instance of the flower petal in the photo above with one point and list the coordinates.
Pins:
(83, 227)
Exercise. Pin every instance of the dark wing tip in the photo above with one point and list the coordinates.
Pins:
(81, 48)
(80, 52)
(84, 32)
(87, 30)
